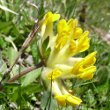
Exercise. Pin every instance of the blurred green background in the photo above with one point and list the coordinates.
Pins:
(17, 18)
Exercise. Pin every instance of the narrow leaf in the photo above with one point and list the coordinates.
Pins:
(7, 9)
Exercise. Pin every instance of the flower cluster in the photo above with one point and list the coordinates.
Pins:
(59, 50)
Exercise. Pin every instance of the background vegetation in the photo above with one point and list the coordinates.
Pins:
(17, 18)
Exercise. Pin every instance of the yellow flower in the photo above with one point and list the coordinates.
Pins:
(87, 73)
(84, 68)
(46, 29)
(68, 99)
(64, 98)
(83, 42)
(50, 17)
(69, 41)
(47, 23)
(54, 74)
(61, 99)
(72, 100)
(80, 44)
(61, 64)
(77, 33)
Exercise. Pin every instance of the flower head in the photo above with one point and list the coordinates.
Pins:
(61, 64)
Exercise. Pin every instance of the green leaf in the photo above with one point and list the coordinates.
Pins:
(5, 27)
(11, 85)
(3, 67)
(46, 49)
(2, 94)
(45, 43)
(35, 52)
(47, 103)
(102, 75)
(31, 88)
(2, 43)
(7, 9)
(30, 77)
(12, 54)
